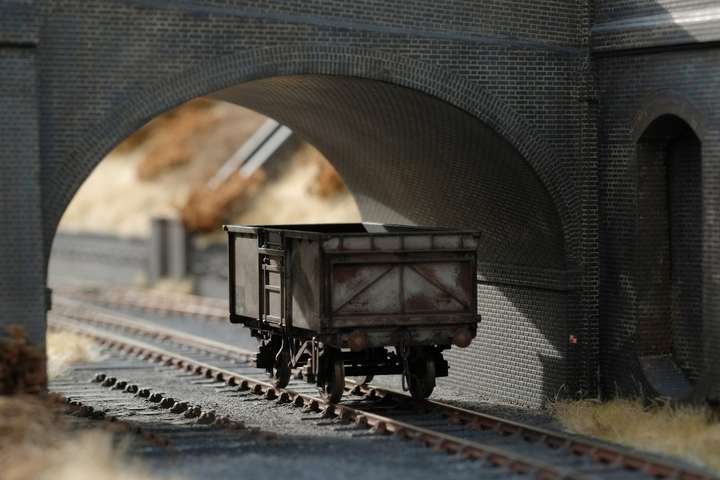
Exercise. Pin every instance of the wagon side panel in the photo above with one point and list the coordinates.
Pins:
(306, 281)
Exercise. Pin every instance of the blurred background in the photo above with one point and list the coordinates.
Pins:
(189, 171)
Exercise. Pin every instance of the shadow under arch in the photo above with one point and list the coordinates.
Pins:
(665, 102)
(411, 158)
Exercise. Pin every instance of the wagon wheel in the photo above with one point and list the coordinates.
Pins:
(421, 378)
(334, 382)
(281, 372)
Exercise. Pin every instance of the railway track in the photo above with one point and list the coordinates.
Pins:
(519, 448)
(168, 304)
(144, 410)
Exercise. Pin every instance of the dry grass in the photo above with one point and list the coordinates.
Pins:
(36, 443)
(180, 136)
(162, 170)
(162, 158)
(22, 365)
(293, 198)
(206, 209)
(687, 432)
(36, 440)
(115, 200)
(306, 190)
(160, 123)
(328, 182)
(65, 349)
(173, 147)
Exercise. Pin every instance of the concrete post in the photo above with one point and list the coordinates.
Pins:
(158, 246)
(170, 247)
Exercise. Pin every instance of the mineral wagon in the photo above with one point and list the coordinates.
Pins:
(360, 299)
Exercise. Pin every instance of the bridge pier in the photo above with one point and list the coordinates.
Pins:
(22, 266)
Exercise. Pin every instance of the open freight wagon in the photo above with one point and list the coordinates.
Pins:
(358, 300)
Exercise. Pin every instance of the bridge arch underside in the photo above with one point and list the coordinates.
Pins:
(409, 157)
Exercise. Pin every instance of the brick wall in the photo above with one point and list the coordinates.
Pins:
(685, 198)
(485, 132)
(653, 231)
(22, 293)
(524, 120)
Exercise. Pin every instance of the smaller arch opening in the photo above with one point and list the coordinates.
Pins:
(669, 255)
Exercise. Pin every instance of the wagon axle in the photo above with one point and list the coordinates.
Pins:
(329, 366)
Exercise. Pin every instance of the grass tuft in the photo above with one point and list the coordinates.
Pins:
(22, 365)
(36, 440)
(687, 432)
(65, 349)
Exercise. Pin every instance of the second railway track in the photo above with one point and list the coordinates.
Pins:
(520, 448)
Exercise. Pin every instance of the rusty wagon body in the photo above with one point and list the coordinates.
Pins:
(354, 299)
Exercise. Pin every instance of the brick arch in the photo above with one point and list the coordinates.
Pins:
(667, 103)
(684, 356)
(246, 66)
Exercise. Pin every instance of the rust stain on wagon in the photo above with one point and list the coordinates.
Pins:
(345, 274)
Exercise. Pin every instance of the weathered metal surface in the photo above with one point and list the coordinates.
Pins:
(329, 279)
(432, 287)
(244, 277)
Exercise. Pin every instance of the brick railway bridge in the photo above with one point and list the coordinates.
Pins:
(581, 137)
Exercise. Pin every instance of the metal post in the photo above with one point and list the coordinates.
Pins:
(158, 267)
(178, 250)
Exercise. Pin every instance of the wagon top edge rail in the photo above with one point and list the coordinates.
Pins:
(316, 230)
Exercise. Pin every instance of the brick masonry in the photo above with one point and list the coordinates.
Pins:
(22, 265)
(641, 181)
(517, 117)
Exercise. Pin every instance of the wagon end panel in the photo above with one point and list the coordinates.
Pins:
(245, 276)
(306, 281)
